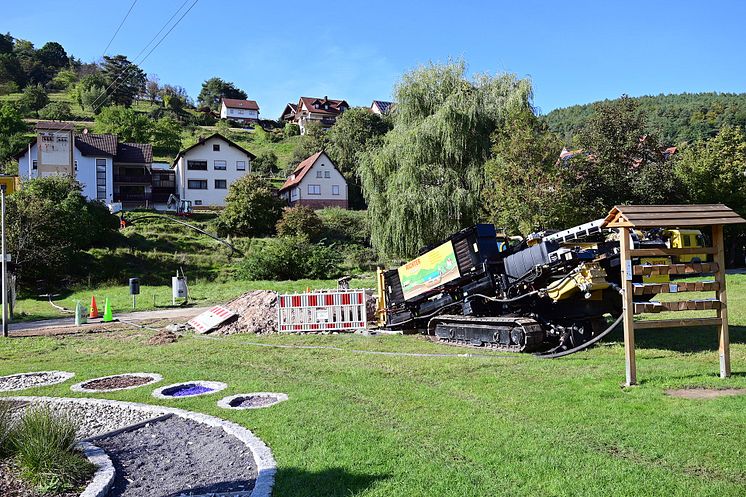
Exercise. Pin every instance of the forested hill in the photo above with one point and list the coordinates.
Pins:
(679, 118)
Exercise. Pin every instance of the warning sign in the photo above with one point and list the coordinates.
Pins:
(210, 318)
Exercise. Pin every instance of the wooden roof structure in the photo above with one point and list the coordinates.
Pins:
(651, 216)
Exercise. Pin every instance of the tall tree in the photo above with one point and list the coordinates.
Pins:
(152, 88)
(214, 89)
(128, 124)
(53, 56)
(424, 183)
(355, 131)
(12, 129)
(126, 79)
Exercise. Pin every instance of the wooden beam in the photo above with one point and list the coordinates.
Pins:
(683, 268)
(661, 252)
(676, 323)
(675, 287)
(676, 306)
(628, 307)
(722, 313)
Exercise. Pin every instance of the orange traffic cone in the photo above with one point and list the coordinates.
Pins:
(94, 308)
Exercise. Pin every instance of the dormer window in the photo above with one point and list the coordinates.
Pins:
(315, 106)
(326, 106)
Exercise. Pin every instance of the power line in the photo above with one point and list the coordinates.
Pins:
(119, 27)
(120, 78)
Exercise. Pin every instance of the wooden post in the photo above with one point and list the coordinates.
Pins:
(722, 313)
(628, 307)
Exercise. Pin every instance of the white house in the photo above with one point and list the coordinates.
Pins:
(206, 170)
(316, 182)
(239, 110)
(93, 159)
(381, 107)
(324, 111)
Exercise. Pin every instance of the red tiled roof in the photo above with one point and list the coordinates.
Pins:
(300, 171)
(334, 105)
(234, 103)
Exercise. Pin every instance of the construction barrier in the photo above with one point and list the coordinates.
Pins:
(338, 310)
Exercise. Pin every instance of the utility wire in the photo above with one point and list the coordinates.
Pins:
(120, 27)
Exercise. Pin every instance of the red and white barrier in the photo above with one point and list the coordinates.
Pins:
(339, 310)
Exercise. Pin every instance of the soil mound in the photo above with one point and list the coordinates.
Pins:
(256, 313)
(163, 337)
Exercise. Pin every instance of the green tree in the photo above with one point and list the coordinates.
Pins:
(252, 208)
(214, 89)
(128, 124)
(291, 129)
(48, 223)
(166, 136)
(12, 138)
(64, 80)
(521, 191)
(53, 56)
(355, 131)
(300, 221)
(126, 79)
(265, 163)
(425, 181)
(34, 97)
(311, 142)
(59, 111)
(11, 72)
(6, 43)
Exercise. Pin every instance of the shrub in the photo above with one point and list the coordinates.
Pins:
(300, 221)
(252, 208)
(34, 97)
(291, 258)
(265, 162)
(59, 111)
(344, 225)
(292, 129)
(5, 428)
(44, 445)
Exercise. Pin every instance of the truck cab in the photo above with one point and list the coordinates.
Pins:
(686, 239)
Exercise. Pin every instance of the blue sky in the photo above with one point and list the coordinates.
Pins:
(573, 51)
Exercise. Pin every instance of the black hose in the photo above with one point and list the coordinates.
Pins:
(583, 345)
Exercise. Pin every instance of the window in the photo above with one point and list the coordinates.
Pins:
(335, 189)
(197, 165)
(687, 240)
(34, 164)
(197, 202)
(221, 184)
(76, 166)
(101, 179)
(221, 165)
(216, 147)
(197, 184)
(314, 189)
(327, 174)
(240, 165)
(318, 174)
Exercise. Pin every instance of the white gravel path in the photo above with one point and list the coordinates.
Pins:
(23, 381)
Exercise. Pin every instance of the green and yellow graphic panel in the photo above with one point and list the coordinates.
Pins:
(428, 271)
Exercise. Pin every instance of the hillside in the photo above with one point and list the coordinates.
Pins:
(675, 118)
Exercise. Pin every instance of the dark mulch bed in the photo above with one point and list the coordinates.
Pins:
(121, 381)
(11, 484)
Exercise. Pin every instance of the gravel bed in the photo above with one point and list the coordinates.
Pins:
(116, 382)
(36, 379)
(255, 400)
(178, 457)
(96, 419)
(188, 389)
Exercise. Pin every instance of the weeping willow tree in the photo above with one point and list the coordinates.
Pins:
(424, 182)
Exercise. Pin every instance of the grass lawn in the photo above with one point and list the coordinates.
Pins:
(505, 424)
(155, 297)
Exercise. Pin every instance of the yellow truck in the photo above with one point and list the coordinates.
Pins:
(686, 239)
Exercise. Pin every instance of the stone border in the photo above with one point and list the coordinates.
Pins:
(225, 402)
(266, 467)
(64, 376)
(104, 476)
(215, 387)
(80, 388)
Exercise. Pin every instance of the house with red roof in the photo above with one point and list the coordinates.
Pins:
(324, 111)
(316, 182)
(239, 110)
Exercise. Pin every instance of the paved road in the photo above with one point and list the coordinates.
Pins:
(185, 312)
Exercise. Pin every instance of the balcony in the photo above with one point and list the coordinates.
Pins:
(133, 197)
(140, 179)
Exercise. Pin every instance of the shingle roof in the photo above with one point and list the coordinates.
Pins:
(654, 216)
(334, 105)
(300, 171)
(235, 103)
(53, 126)
(135, 153)
(90, 144)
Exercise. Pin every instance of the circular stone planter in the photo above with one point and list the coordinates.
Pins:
(256, 400)
(188, 389)
(23, 381)
(124, 381)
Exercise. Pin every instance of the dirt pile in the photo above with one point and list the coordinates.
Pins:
(256, 313)
(163, 337)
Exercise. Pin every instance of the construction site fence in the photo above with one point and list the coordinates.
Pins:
(338, 310)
